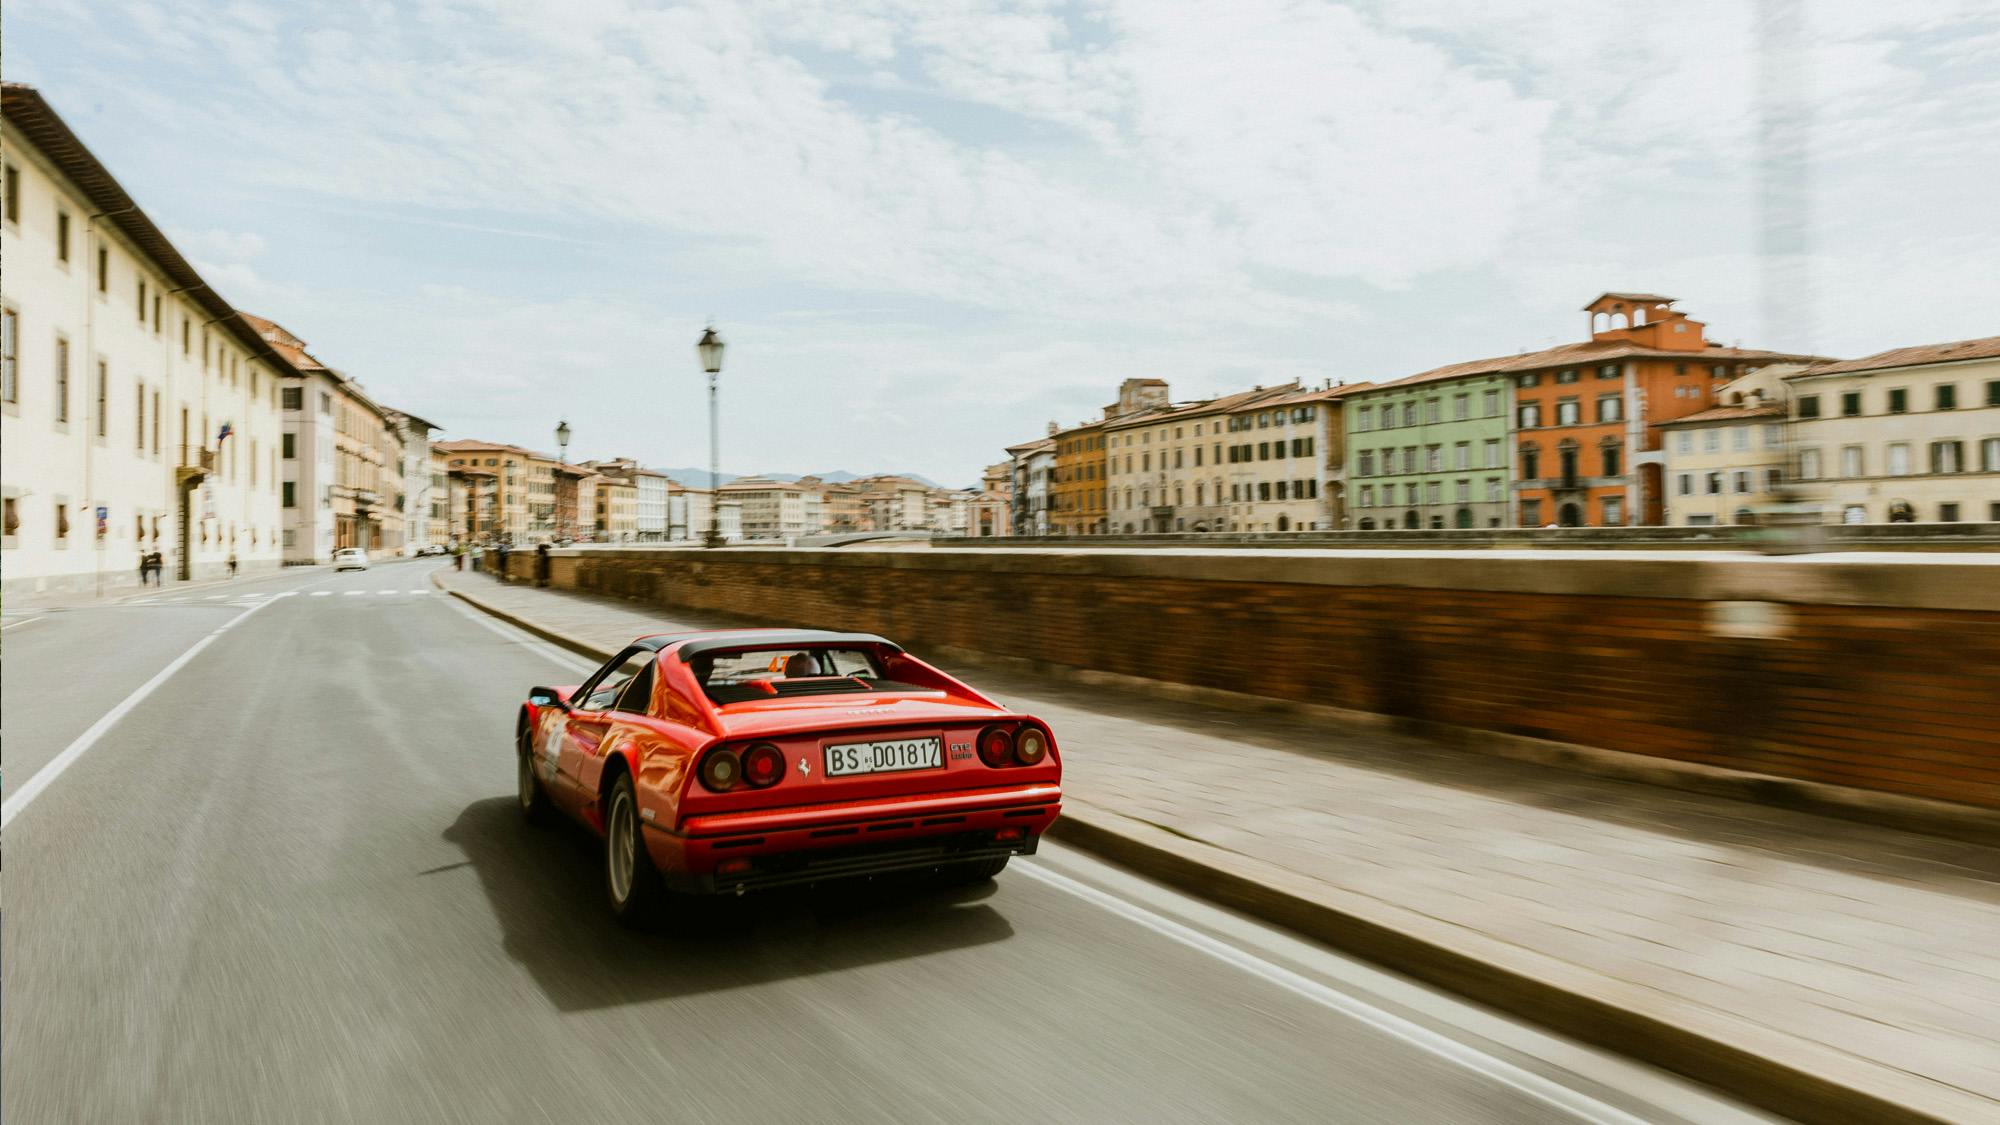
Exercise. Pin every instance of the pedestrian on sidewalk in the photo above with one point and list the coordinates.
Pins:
(542, 563)
(457, 557)
(478, 553)
(232, 564)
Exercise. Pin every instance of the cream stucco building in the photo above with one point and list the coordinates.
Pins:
(1723, 464)
(1910, 434)
(128, 387)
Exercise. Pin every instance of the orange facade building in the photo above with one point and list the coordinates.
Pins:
(1586, 447)
(1076, 496)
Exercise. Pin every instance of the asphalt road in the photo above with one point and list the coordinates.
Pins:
(289, 884)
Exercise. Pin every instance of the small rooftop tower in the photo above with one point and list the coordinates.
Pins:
(1647, 319)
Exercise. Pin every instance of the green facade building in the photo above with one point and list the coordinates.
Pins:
(1430, 451)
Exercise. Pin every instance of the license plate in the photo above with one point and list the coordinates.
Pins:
(887, 756)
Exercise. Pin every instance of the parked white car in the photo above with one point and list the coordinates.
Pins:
(350, 558)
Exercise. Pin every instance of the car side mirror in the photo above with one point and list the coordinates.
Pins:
(548, 697)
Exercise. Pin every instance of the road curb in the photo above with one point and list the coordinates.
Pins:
(1742, 1059)
(552, 636)
(1520, 982)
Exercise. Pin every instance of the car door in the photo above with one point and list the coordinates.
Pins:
(580, 761)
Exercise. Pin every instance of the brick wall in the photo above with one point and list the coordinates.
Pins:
(1882, 675)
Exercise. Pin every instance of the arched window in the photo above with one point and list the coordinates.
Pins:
(1463, 518)
(1618, 320)
(1367, 525)
(1284, 523)
(1410, 520)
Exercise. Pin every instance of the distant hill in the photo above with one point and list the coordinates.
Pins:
(698, 478)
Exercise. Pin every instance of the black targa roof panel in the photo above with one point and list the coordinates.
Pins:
(778, 638)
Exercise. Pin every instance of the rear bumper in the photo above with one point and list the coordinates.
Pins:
(781, 847)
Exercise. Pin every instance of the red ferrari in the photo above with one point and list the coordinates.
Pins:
(722, 762)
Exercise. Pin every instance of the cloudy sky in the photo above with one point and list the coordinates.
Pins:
(930, 227)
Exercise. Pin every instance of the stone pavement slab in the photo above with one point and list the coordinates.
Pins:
(1873, 945)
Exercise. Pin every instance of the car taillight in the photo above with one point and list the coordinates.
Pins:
(763, 765)
(1030, 746)
(721, 770)
(996, 747)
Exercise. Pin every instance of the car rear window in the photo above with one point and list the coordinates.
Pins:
(766, 673)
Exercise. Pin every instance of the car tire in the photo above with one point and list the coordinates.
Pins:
(530, 796)
(977, 871)
(632, 885)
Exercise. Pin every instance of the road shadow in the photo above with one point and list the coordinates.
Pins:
(545, 888)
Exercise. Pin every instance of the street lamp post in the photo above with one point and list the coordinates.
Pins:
(562, 453)
(710, 349)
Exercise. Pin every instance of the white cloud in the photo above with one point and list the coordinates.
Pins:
(948, 219)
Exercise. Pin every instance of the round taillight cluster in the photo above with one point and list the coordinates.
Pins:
(759, 766)
(721, 770)
(763, 765)
(1001, 746)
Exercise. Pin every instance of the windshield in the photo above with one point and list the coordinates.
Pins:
(733, 677)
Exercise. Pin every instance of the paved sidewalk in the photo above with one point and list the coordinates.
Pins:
(1869, 953)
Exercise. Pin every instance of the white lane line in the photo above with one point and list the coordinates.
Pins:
(18, 800)
(217, 597)
(388, 591)
(353, 593)
(15, 624)
(1533, 1085)
(524, 639)
(322, 593)
(416, 591)
(285, 594)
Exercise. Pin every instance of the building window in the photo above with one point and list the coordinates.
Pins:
(1279, 493)
(1490, 403)
(1531, 513)
(1568, 375)
(13, 189)
(10, 374)
(1433, 459)
(1531, 379)
(1531, 415)
(12, 527)
(1809, 463)
(1989, 455)
(1364, 418)
(1610, 408)
(1851, 461)
(104, 269)
(1993, 392)
(1607, 371)
(1409, 458)
(1409, 414)
(1684, 441)
(289, 492)
(1364, 463)
(1263, 490)
(1263, 451)
(1410, 493)
(1773, 478)
(1531, 463)
(62, 379)
(1433, 492)
(62, 522)
(1431, 408)
(1739, 482)
(1899, 401)
(289, 445)
(1808, 406)
(103, 398)
(1684, 484)
(1774, 437)
(1367, 495)
(1614, 511)
(1947, 396)
(1568, 412)
(139, 418)
(1712, 484)
(1462, 491)
(1739, 438)
(1899, 461)
(62, 236)
(1493, 490)
(1492, 454)
(1461, 407)
(1461, 456)
(1711, 441)
(1611, 459)
(1947, 457)
(1850, 404)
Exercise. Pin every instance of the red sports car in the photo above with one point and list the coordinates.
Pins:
(739, 760)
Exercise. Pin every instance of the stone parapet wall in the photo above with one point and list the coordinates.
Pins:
(1879, 672)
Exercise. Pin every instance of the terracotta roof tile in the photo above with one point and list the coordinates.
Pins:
(1985, 347)
(1735, 413)
(1588, 351)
